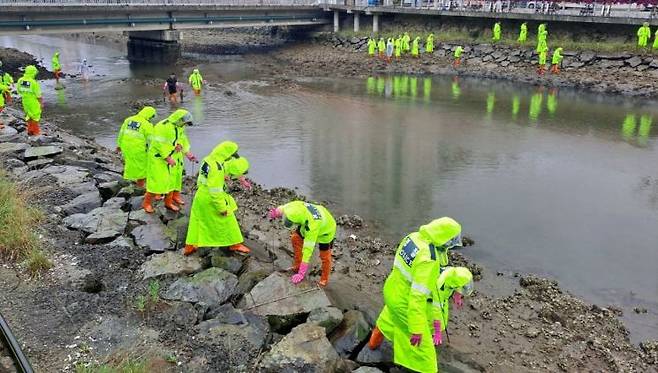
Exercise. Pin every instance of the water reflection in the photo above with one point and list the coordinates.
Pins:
(456, 90)
(629, 126)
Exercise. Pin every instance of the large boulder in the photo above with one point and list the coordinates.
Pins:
(69, 176)
(170, 263)
(285, 304)
(212, 287)
(352, 332)
(230, 263)
(35, 152)
(327, 317)
(367, 370)
(83, 203)
(381, 356)
(8, 134)
(305, 349)
(10, 148)
(152, 237)
(100, 219)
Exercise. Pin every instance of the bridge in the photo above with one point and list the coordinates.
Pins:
(154, 26)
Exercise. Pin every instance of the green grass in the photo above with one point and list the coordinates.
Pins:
(509, 37)
(19, 241)
(126, 366)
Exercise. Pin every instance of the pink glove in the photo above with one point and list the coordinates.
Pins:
(296, 279)
(275, 213)
(190, 156)
(244, 182)
(436, 338)
(415, 339)
(458, 300)
(170, 161)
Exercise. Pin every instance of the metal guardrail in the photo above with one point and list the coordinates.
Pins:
(41, 3)
(647, 9)
(22, 363)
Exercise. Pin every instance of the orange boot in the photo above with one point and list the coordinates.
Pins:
(325, 256)
(189, 250)
(140, 183)
(297, 244)
(240, 247)
(33, 128)
(169, 202)
(178, 198)
(376, 338)
(147, 205)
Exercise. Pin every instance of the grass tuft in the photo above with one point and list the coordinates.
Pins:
(19, 241)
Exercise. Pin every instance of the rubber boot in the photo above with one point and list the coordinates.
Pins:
(147, 205)
(32, 128)
(240, 248)
(325, 256)
(189, 250)
(297, 245)
(159, 197)
(169, 202)
(178, 198)
(376, 338)
(140, 183)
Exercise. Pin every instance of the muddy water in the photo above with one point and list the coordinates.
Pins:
(558, 183)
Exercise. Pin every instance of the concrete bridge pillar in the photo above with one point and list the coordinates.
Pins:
(356, 22)
(375, 23)
(336, 21)
(154, 46)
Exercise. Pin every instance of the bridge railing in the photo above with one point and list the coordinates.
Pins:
(641, 9)
(24, 3)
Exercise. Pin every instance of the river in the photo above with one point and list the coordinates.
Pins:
(559, 183)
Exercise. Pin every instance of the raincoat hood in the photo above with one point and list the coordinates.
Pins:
(180, 116)
(440, 231)
(196, 71)
(294, 211)
(148, 113)
(236, 167)
(31, 71)
(224, 150)
(455, 278)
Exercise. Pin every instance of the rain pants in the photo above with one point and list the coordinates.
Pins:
(316, 225)
(208, 227)
(409, 291)
(30, 92)
(133, 141)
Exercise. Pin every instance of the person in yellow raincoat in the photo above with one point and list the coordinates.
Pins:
(164, 174)
(3, 90)
(196, 81)
(9, 82)
(57, 66)
(409, 320)
(397, 45)
(556, 61)
(415, 47)
(310, 224)
(381, 47)
(429, 43)
(372, 46)
(30, 92)
(212, 218)
(132, 143)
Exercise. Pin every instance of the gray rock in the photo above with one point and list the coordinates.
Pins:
(654, 64)
(634, 61)
(109, 189)
(587, 57)
(68, 176)
(115, 202)
(606, 64)
(107, 176)
(350, 333)
(142, 217)
(532, 332)
(152, 237)
(122, 242)
(367, 370)
(11, 163)
(327, 317)
(248, 280)
(130, 191)
(8, 148)
(8, 134)
(83, 203)
(170, 263)
(244, 337)
(135, 202)
(283, 302)
(100, 219)
(38, 164)
(41, 151)
(226, 314)
(181, 314)
(102, 237)
(381, 356)
(305, 349)
(352, 221)
(229, 263)
(213, 286)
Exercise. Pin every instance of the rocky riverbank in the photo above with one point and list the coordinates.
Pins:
(13, 62)
(121, 293)
(628, 73)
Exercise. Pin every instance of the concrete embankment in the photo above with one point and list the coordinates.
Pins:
(120, 291)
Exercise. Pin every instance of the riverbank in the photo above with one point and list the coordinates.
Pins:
(101, 304)
(624, 73)
(13, 62)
